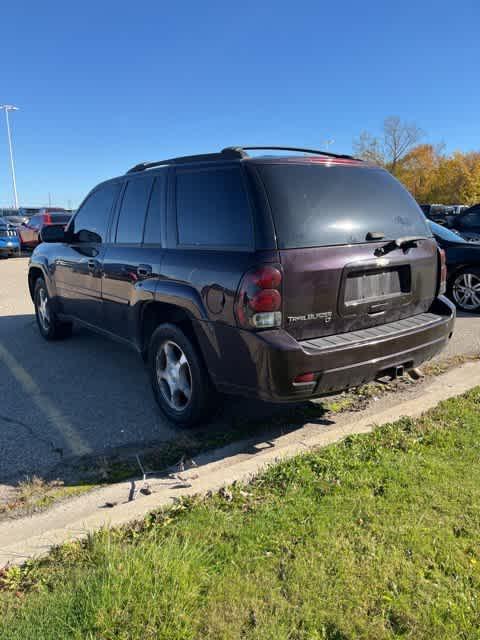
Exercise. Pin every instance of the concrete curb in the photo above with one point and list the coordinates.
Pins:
(33, 536)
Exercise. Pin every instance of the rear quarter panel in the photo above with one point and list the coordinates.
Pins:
(214, 276)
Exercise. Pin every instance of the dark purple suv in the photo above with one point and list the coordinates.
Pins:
(281, 277)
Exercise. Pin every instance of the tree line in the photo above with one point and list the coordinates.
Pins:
(430, 174)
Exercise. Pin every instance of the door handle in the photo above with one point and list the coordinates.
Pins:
(144, 270)
(93, 265)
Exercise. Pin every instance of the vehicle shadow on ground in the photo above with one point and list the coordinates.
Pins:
(81, 410)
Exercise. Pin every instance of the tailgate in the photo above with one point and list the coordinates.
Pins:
(331, 290)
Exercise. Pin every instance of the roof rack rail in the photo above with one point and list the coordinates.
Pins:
(299, 149)
(229, 153)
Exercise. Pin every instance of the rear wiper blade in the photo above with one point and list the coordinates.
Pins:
(400, 243)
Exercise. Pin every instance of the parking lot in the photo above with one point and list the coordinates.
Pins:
(85, 395)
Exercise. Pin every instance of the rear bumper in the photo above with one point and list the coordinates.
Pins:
(272, 359)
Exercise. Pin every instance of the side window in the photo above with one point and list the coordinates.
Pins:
(213, 209)
(132, 213)
(90, 223)
(156, 208)
(34, 222)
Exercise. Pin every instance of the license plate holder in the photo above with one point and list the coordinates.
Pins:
(373, 289)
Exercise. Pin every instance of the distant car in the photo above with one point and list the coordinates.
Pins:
(45, 210)
(28, 212)
(15, 221)
(9, 242)
(7, 212)
(29, 232)
(435, 212)
(467, 222)
(463, 267)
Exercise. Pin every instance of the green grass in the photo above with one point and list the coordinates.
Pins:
(375, 537)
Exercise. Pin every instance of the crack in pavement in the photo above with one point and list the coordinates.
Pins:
(36, 436)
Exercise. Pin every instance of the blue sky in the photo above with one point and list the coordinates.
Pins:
(103, 85)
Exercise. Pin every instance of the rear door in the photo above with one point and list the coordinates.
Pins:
(134, 253)
(331, 218)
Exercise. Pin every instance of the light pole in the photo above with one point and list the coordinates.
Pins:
(7, 108)
(328, 143)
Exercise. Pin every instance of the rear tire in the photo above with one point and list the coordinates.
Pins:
(464, 289)
(48, 323)
(180, 380)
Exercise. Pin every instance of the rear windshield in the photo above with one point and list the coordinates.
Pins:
(318, 205)
(59, 218)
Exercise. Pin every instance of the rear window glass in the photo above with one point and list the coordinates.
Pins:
(316, 205)
(213, 209)
(59, 218)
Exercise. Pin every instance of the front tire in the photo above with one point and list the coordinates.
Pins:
(48, 323)
(464, 289)
(180, 380)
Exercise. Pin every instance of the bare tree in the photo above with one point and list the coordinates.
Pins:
(397, 140)
(369, 148)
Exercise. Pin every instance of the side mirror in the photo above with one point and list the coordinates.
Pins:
(53, 233)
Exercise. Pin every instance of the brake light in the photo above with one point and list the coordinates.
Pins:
(259, 299)
(442, 286)
(268, 277)
(266, 300)
(47, 218)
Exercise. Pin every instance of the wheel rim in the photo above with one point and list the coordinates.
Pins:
(42, 310)
(174, 375)
(466, 291)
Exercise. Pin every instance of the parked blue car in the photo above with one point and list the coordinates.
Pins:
(9, 241)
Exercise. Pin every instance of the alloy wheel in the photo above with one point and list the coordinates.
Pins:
(42, 309)
(174, 375)
(466, 291)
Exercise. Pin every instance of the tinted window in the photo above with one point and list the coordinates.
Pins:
(58, 218)
(212, 209)
(318, 205)
(153, 224)
(34, 221)
(132, 213)
(90, 223)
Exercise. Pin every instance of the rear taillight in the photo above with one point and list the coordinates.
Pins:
(442, 285)
(47, 218)
(259, 299)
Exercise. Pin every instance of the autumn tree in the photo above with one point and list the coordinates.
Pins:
(426, 170)
(418, 170)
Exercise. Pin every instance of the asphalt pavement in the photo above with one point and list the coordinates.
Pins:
(78, 396)
(87, 394)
